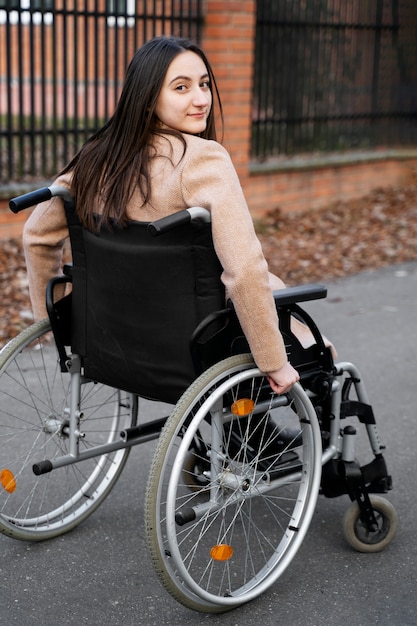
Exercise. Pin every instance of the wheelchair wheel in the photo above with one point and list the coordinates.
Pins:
(363, 540)
(34, 397)
(222, 535)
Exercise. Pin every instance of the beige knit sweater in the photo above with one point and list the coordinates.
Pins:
(205, 177)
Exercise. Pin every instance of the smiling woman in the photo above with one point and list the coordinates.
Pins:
(185, 99)
(157, 155)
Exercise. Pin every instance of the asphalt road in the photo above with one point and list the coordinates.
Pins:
(100, 574)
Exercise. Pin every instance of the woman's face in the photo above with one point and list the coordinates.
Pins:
(184, 101)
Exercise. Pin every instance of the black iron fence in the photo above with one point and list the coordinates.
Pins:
(330, 75)
(334, 75)
(62, 63)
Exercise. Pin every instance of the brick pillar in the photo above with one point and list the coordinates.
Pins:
(228, 40)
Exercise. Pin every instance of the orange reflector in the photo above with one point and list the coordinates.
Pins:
(221, 552)
(7, 480)
(241, 407)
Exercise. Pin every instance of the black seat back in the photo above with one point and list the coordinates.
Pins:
(137, 300)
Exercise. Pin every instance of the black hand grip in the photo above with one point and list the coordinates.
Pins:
(30, 199)
(169, 222)
(300, 293)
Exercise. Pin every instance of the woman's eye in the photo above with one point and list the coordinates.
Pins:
(180, 88)
(205, 84)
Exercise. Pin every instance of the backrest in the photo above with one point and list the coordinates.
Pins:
(137, 300)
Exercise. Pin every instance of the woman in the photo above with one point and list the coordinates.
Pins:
(156, 155)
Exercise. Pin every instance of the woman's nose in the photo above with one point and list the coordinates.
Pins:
(201, 97)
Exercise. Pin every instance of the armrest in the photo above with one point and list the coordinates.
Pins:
(301, 293)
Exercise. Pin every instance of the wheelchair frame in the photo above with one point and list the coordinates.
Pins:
(206, 462)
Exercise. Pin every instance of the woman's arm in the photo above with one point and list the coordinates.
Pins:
(44, 235)
(210, 180)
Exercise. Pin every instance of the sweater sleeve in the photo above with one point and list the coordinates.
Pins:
(44, 235)
(209, 180)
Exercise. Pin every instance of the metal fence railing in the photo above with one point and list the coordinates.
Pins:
(62, 63)
(329, 75)
(334, 75)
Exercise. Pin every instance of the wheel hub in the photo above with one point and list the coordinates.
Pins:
(53, 425)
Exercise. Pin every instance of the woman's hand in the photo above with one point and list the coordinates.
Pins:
(283, 379)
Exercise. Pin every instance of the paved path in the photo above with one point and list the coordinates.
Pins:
(100, 574)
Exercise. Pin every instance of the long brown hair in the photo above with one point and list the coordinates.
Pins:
(115, 159)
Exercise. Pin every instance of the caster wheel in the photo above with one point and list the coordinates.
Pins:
(363, 540)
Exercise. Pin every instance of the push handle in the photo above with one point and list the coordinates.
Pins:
(158, 227)
(174, 220)
(30, 199)
(38, 195)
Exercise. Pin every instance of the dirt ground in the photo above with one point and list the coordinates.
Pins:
(346, 238)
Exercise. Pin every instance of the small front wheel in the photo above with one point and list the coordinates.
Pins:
(363, 540)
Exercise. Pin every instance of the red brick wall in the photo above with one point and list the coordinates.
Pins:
(320, 186)
(10, 224)
(228, 40)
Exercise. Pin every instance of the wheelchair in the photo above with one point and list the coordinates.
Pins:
(237, 469)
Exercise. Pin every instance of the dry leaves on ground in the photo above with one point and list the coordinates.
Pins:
(15, 310)
(349, 237)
